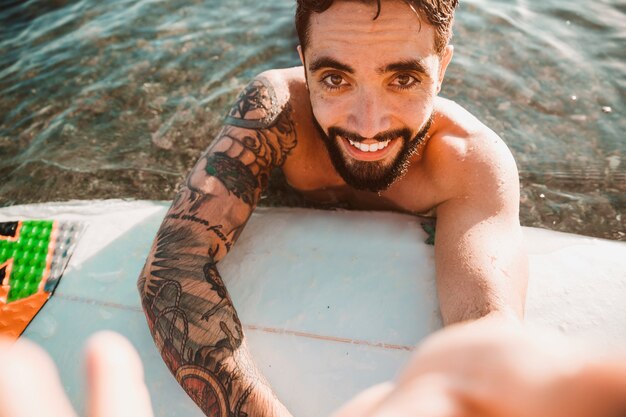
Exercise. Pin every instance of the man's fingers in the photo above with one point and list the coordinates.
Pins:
(116, 380)
(29, 383)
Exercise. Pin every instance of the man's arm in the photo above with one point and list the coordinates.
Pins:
(189, 311)
(481, 262)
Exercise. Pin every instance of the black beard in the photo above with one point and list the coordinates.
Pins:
(372, 175)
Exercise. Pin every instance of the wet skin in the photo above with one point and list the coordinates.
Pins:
(364, 84)
(371, 77)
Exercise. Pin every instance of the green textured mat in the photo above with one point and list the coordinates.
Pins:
(33, 256)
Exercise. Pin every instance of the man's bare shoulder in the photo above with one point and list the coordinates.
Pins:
(291, 93)
(291, 74)
(458, 134)
(289, 85)
(467, 157)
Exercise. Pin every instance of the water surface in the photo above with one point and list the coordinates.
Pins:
(118, 98)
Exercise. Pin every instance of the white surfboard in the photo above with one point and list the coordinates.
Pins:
(331, 302)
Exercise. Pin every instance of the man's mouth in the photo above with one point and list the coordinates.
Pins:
(372, 147)
(372, 151)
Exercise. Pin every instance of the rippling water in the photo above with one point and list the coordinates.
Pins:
(118, 98)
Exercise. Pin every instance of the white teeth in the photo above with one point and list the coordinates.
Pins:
(369, 148)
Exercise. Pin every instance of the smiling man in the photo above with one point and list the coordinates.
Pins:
(360, 123)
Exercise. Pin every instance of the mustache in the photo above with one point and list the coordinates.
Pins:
(380, 137)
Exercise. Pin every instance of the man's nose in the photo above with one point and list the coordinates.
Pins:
(369, 115)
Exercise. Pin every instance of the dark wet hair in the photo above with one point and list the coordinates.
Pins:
(439, 13)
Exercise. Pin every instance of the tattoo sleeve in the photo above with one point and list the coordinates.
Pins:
(189, 311)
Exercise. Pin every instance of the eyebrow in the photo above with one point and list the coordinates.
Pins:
(404, 65)
(401, 66)
(328, 62)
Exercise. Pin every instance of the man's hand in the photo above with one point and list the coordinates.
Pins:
(30, 385)
(495, 368)
(487, 368)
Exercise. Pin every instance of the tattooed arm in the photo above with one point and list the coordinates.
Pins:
(189, 311)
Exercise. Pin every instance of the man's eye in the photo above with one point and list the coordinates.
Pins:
(405, 81)
(334, 81)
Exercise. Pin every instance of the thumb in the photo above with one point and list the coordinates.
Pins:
(115, 378)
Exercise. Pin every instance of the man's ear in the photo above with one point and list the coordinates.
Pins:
(301, 54)
(446, 57)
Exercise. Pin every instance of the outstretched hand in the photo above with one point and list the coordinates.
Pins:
(496, 368)
(485, 368)
(30, 385)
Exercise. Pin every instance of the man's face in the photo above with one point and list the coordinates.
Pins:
(372, 85)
